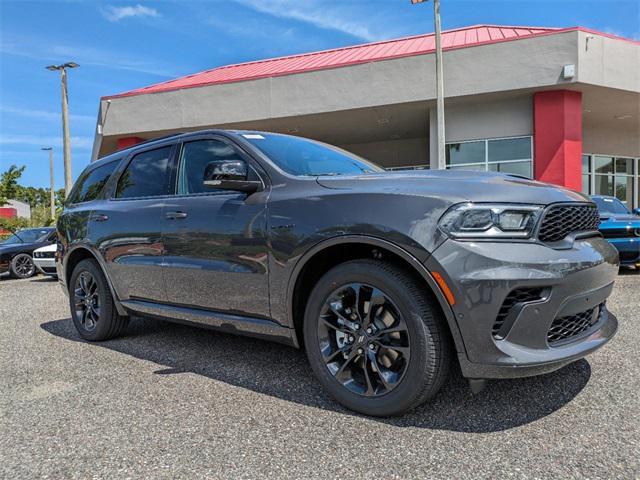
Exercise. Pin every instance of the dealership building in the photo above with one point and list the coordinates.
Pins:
(561, 105)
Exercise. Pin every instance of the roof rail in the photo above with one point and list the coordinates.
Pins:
(156, 139)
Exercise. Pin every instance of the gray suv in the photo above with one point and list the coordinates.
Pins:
(385, 278)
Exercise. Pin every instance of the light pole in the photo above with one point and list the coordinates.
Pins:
(53, 185)
(66, 141)
(441, 160)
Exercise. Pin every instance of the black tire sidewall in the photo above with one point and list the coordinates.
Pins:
(106, 319)
(13, 265)
(404, 395)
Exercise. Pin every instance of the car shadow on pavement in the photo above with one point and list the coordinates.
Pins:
(283, 372)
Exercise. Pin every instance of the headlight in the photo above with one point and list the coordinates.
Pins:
(481, 220)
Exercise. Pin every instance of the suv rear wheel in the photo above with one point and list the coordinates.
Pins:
(374, 339)
(92, 308)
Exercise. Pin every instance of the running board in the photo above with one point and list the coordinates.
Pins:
(224, 322)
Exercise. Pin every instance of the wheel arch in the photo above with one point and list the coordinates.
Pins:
(336, 250)
(83, 252)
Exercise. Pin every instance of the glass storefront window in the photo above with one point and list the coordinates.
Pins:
(516, 168)
(506, 155)
(602, 164)
(509, 149)
(467, 152)
(614, 176)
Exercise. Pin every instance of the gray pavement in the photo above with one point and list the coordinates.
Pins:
(170, 401)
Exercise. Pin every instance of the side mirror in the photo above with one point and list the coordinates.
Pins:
(229, 175)
(636, 211)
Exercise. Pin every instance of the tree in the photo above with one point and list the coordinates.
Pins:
(9, 187)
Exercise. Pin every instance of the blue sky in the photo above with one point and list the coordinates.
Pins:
(125, 45)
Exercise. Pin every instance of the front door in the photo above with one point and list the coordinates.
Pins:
(215, 240)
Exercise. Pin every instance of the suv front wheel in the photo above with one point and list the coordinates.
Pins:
(375, 340)
(92, 309)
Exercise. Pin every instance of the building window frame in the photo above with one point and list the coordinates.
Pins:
(486, 163)
(634, 175)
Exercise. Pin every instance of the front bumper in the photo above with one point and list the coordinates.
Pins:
(628, 248)
(481, 276)
(47, 266)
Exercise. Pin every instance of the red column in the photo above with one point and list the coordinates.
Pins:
(557, 118)
(126, 142)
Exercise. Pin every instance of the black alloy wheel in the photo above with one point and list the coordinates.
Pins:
(376, 338)
(363, 339)
(22, 266)
(87, 301)
(93, 311)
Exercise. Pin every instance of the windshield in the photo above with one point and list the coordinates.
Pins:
(303, 157)
(611, 206)
(29, 235)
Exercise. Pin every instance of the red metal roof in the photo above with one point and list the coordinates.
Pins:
(340, 57)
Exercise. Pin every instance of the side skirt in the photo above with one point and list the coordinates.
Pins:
(235, 324)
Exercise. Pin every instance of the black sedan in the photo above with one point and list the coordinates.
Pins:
(16, 252)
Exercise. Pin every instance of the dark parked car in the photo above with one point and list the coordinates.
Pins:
(620, 227)
(385, 278)
(16, 252)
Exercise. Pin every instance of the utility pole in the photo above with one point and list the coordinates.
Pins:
(441, 162)
(66, 140)
(53, 185)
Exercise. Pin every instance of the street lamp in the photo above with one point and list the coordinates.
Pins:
(441, 160)
(65, 121)
(53, 186)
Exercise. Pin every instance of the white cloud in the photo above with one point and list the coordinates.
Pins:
(30, 47)
(341, 17)
(115, 14)
(43, 140)
(45, 115)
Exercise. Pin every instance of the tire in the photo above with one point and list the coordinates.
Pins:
(92, 309)
(416, 374)
(22, 266)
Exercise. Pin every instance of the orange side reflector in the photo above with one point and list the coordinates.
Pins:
(445, 288)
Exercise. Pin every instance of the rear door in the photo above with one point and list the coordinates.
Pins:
(215, 240)
(127, 226)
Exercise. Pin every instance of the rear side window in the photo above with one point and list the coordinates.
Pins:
(92, 182)
(147, 175)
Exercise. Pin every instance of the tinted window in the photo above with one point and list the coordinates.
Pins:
(147, 175)
(303, 157)
(194, 160)
(30, 235)
(92, 182)
(510, 149)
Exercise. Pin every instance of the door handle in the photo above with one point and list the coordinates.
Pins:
(99, 217)
(176, 215)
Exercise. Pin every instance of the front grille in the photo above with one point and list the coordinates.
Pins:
(513, 301)
(44, 254)
(561, 220)
(564, 328)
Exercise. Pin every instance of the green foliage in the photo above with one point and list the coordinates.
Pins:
(9, 183)
(38, 199)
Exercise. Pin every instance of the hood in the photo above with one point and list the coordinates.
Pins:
(18, 247)
(457, 186)
(619, 221)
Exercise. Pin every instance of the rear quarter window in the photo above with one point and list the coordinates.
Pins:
(92, 182)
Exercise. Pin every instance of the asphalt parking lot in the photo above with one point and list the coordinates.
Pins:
(170, 401)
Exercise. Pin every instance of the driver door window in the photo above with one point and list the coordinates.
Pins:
(194, 159)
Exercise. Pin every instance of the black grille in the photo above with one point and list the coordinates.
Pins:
(629, 256)
(44, 254)
(518, 296)
(560, 221)
(570, 326)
